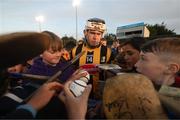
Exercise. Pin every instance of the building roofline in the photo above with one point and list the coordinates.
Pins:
(131, 25)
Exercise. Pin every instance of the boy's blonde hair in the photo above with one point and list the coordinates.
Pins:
(166, 48)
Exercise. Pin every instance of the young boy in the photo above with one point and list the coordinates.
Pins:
(160, 61)
(49, 61)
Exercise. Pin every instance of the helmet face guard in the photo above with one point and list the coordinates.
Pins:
(96, 24)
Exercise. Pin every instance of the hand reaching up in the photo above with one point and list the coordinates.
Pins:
(76, 106)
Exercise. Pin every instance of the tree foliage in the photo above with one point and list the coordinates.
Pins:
(160, 30)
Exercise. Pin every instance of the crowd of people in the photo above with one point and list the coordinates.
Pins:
(29, 97)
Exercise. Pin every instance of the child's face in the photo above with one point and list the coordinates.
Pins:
(151, 66)
(131, 55)
(51, 57)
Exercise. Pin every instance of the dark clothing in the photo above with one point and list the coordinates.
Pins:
(177, 81)
(54, 109)
(114, 51)
(20, 114)
(9, 104)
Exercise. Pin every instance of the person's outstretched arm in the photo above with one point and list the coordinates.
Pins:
(37, 102)
(76, 106)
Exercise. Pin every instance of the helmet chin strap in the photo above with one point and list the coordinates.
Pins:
(90, 46)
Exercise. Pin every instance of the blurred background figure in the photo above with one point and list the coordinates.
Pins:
(114, 47)
(67, 50)
(80, 42)
(104, 41)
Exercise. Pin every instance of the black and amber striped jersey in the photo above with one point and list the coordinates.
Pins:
(98, 55)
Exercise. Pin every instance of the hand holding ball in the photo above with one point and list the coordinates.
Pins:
(85, 78)
(77, 87)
